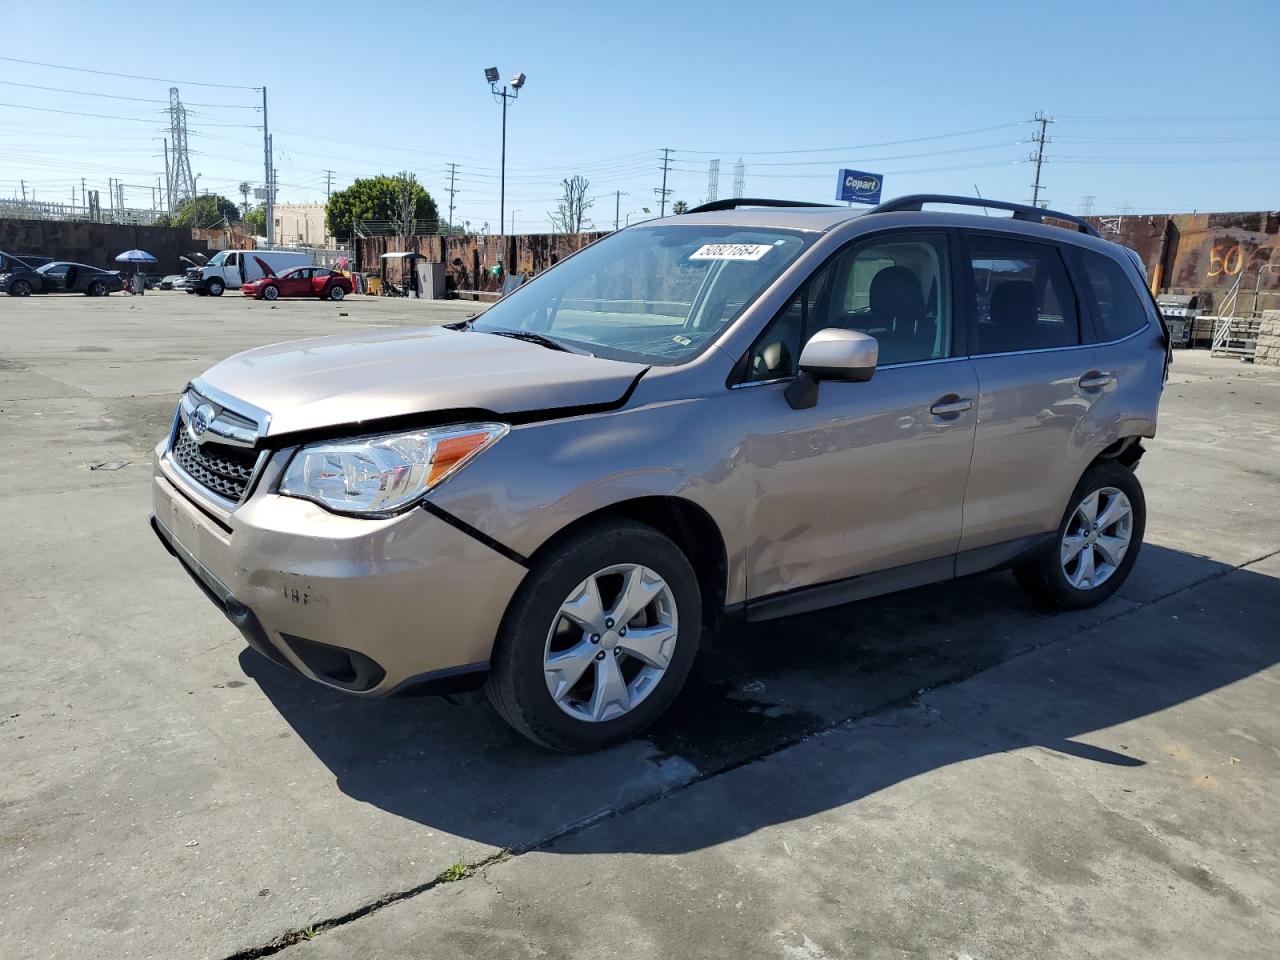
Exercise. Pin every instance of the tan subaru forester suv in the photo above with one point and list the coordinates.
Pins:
(750, 411)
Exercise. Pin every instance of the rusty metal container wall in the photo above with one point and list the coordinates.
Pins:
(469, 259)
(1206, 253)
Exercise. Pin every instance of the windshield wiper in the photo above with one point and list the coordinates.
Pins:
(530, 337)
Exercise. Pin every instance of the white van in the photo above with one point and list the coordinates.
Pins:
(231, 268)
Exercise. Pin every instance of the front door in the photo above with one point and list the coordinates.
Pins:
(233, 271)
(872, 477)
(1037, 383)
(296, 283)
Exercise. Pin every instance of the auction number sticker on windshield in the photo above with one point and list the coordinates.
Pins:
(731, 251)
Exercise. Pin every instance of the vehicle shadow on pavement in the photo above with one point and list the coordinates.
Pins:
(457, 768)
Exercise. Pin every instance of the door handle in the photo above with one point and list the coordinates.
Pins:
(1096, 380)
(951, 406)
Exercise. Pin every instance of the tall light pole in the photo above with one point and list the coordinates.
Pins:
(491, 74)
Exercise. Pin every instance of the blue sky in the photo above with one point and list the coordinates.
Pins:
(1159, 106)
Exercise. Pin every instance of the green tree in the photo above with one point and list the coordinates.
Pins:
(379, 199)
(208, 210)
(256, 220)
(679, 207)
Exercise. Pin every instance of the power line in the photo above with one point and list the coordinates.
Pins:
(118, 96)
(865, 146)
(129, 76)
(78, 113)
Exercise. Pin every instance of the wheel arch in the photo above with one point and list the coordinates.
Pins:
(690, 527)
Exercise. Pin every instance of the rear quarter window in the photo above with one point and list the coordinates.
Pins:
(1117, 306)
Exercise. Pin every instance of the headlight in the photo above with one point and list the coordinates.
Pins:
(380, 475)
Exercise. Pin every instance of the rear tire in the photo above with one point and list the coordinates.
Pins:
(336, 292)
(1087, 562)
(536, 629)
(96, 289)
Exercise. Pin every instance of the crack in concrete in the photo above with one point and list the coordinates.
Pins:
(567, 831)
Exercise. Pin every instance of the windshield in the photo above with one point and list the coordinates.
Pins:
(218, 259)
(655, 294)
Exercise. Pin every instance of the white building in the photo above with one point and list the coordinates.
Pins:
(300, 223)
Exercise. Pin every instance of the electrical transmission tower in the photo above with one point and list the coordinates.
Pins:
(1039, 139)
(739, 177)
(182, 183)
(1086, 205)
(713, 180)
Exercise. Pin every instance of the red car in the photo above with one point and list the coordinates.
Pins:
(299, 282)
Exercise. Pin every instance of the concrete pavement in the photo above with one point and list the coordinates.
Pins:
(947, 772)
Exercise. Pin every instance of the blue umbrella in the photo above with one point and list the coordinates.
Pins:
(135, 256)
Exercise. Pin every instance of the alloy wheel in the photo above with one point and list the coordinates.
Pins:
(611, 642)
(1096, 538)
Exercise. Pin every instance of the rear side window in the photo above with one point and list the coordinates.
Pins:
(1118, 310)
(1024, 298)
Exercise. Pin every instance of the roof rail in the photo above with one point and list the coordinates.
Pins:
(1021, 211)
(732, 203)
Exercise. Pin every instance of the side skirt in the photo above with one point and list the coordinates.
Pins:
(837, 592)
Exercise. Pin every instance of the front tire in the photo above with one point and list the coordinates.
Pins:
(598, 640)
(215, 288)
(20, 288)
(1096, 544)
(270, 292)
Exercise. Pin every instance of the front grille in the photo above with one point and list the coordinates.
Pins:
(219, 468)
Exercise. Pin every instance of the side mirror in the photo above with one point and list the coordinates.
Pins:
(832, 354)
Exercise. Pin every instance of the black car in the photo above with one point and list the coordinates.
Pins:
(60, 277)
(29, 261)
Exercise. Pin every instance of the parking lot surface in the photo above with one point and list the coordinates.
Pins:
(943, 773)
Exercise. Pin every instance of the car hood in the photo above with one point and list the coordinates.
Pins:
(349, 380)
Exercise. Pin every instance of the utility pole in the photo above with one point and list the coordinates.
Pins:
(513, 222)
(83, 201)
(1039, 139)
(328, 185)
(168, 179)
(269, 181)
(664, 192)
(453, 172)
(617, 206)
(271, 187)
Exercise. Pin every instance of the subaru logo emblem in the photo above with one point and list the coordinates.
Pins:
(198, 425)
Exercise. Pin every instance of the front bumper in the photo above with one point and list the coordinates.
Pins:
(365, 606)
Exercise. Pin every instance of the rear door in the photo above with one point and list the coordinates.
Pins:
(1037, 383)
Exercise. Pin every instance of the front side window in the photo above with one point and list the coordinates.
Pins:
(1024, 299)
(1118, 311)
(896, 289)
(653, 294)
